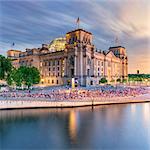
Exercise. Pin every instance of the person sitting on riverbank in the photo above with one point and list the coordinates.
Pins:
(74, 94)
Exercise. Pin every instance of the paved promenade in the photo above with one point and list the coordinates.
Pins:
(45, 103)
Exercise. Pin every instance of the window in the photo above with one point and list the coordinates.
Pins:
(98, 69)
(49, 63)
(71, 60)
(52, 81)
(91, 82)
(72, 39)
(53, 68)
(88, 60)
(57, 82)
(102, 63)
(88, 72)
(58, 62)
(69, 41)
(49, 69)
(53, 62)
(58, 74)
(72, 72)
(63, 61)
(58, 68)
(98, 73)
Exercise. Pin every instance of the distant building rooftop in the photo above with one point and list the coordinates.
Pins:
(14, 50)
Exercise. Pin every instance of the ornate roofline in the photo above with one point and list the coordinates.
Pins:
(79, 30)
(116, 47)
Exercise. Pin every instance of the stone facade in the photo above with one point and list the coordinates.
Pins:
(78, 59)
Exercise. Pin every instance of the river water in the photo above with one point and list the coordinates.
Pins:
(125, 126)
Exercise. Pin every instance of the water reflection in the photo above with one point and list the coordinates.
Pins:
(108, 126)
(73, 125)
(146, 114)
(133, 109)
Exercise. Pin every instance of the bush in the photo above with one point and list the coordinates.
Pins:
(124, 81)
(103, 80)
(112, 80)
(118, 80)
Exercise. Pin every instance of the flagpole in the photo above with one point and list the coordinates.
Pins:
(78, 22)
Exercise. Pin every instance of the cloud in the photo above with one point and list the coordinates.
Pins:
(31, 23)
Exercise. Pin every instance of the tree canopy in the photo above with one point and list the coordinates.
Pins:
(138, 77)
(5, 67)
(24, 76)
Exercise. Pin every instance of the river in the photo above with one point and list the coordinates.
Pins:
(122, 126)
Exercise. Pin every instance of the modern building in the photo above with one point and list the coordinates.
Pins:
(76, 57)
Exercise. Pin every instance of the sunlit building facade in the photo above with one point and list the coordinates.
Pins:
(76, 57)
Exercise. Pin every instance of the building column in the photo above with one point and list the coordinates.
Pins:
(81, 66)
(65, 66)
(75, 63)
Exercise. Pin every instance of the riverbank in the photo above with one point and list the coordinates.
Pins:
(45, 103)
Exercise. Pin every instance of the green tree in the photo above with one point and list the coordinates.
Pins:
(10, 77)
(24, 76)
(138, 77)
(31, 76)
(5, 67)
(103, 80)
(15, 77)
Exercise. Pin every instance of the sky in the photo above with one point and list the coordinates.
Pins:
(29, 23)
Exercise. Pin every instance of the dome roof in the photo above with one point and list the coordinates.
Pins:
(57, 44)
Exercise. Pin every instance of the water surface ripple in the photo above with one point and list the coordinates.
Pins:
(125, 126)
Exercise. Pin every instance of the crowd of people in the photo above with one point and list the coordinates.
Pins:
(64, 93)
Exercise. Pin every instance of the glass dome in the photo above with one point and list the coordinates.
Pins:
(57, 44)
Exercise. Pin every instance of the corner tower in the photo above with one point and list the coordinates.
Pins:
(79, 36)
(120, 52)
